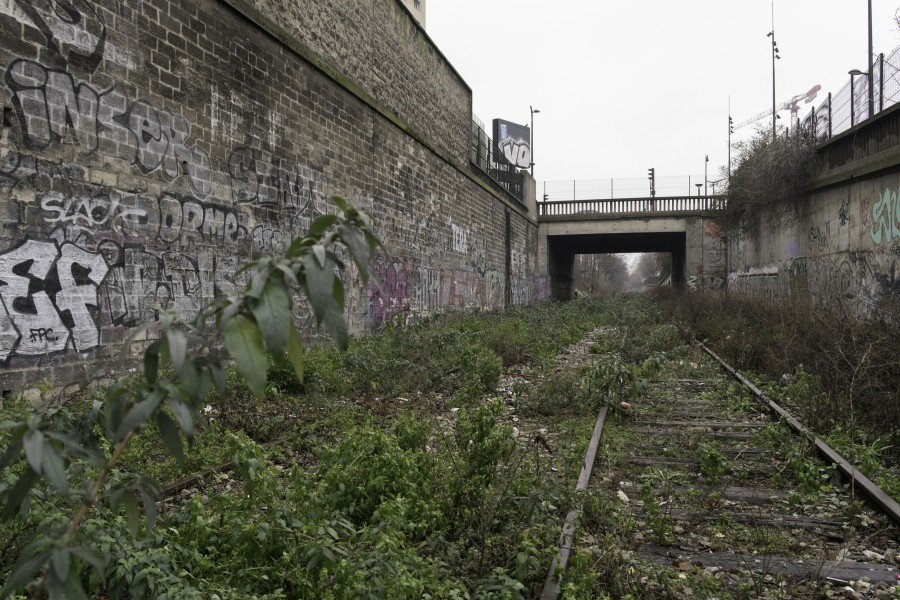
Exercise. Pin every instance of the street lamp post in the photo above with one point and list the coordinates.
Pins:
(871, 69)
(730, 131)
(775, 56)
(699, 185)
(853, 75)
(705, 180)
(531, 141)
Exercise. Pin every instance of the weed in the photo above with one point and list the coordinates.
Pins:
(612, 379)
(712, 462)
(558, 393)
(807, 471)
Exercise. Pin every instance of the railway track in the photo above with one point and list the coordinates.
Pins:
(697, 491)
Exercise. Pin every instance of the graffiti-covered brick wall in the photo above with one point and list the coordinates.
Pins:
(148, 148)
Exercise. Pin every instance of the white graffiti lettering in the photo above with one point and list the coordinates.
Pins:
(92, 213)
(80, 275)
(460, 239)
(516, 152)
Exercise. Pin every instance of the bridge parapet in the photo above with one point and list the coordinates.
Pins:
(624, 206)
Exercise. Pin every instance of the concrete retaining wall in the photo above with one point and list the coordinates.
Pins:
(840, 246)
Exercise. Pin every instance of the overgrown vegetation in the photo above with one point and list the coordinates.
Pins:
(696, 493)
(435, 460)
(392, 470)
(771, 175)
(838, 374)
(73, 458)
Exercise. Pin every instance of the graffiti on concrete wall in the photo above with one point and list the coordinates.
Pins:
(711, 274)
(844, 213)
(715, 254)
(543, 288)
(761, 284)
(843, 280)
(819, 237)
(885, 218)
(851, 280)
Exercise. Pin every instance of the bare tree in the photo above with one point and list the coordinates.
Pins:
(598, 274)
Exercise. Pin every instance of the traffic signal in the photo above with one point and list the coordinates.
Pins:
(730, 124)
(651, 175)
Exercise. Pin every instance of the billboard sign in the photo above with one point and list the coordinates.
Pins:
(514, 143)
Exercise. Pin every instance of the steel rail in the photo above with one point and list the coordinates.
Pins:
(567, 537)
(858, 480)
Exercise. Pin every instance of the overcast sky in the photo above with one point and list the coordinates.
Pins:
(626, 85)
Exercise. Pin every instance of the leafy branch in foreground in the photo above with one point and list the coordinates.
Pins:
(78, 458)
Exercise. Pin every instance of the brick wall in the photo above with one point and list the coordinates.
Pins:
(148, 148)
(380, 47)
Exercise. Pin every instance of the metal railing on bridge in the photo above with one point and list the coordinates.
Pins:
(572, 208)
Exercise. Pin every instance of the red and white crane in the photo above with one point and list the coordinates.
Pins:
(791, 104)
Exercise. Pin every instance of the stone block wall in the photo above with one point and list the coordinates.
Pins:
(148, 148)
(377, 45)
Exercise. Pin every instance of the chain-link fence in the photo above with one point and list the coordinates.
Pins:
(626, 187)
(850, 105)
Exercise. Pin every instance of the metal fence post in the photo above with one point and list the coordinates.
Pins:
(829, 116)
(881, 82)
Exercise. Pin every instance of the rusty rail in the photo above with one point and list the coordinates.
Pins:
(567, 537)
(860, 481)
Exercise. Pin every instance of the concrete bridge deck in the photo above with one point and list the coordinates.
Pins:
(682, 226)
